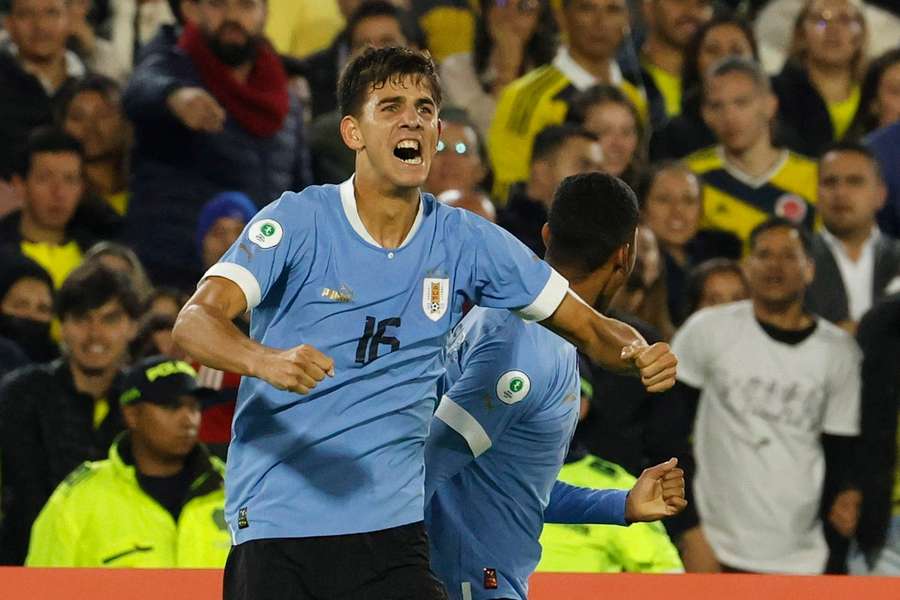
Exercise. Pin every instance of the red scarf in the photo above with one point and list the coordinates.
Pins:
(260, 105)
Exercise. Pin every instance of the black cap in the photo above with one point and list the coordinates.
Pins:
(161, 380)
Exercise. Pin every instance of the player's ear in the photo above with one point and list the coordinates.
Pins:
(351, 133)
(545, 235)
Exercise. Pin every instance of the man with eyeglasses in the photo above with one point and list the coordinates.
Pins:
(559, 151)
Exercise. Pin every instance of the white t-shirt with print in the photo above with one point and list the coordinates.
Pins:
(763, 406)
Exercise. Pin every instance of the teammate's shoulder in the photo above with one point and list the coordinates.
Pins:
(705, 159)
(486, 324)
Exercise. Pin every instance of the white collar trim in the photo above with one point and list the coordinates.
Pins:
(578, 75)
(753, 182)
(348, 201)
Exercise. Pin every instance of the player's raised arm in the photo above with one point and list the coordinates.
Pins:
(205, 330)
(612, 344)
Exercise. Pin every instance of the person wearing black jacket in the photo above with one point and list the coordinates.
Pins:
(878, 531)
(36, 72)
(56, 415)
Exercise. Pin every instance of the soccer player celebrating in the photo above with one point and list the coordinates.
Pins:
(353, 290)
(502, 428)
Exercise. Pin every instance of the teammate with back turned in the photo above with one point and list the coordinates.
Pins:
(354, 289)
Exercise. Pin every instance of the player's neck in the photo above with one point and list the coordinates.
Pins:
(789, 315)
(757, 160)
(387, 212)
(662, 55)
(593, 288)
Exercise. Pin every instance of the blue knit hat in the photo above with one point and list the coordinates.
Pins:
(236, 205)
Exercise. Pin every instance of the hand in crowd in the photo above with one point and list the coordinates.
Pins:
(656, 365)
(844, 514)
(197, 109)
(657, 494)
(298, 369)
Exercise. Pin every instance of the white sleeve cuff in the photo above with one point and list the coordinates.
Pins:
(239, 275)
(548, 300)
(463, 423)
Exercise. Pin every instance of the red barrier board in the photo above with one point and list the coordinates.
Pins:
(147, 584)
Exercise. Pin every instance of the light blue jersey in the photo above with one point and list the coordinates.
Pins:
(498, 440)
(348, 457)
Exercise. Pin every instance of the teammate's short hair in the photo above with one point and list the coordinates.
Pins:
(593, 215)
(552, 138)
(92, 285)
(855, 148)
(778, 223)
(375, 67)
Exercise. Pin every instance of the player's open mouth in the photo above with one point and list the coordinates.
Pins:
(408, 151)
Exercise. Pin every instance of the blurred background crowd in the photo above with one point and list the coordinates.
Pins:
(138, 137)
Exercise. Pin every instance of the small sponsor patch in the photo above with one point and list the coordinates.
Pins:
(243, 523)
(266, 233)
(513, 386)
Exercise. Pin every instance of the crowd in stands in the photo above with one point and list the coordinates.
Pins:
(139, 137)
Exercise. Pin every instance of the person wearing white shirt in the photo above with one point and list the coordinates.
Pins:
(855, 264)
(773, 384)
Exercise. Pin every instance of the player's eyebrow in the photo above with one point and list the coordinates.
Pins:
(391, 100)
(425, 101)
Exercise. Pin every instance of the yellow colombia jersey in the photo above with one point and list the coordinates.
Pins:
(669, 87)
(57, 260)
(537, 100)
(733, 202)
(639, 548)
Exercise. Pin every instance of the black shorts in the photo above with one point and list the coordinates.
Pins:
(391, 564)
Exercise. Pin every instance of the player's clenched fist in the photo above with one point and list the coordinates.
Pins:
(297, 369)
(656, 365)
(658, 493)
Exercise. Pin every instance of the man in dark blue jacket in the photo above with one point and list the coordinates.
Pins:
(212, 113)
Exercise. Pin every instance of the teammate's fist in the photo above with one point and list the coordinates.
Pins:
(657, 494)
(656, 364)
(297, 369)
(197, 109)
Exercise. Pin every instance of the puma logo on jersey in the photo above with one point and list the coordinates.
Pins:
(344, 294)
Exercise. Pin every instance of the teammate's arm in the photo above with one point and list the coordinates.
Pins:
(657, 494)
(612, 344)
(205, 330)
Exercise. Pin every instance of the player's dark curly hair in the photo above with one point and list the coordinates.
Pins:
(592, 216)
(376, 67)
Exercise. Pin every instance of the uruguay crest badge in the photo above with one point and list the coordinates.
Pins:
(435, 293)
